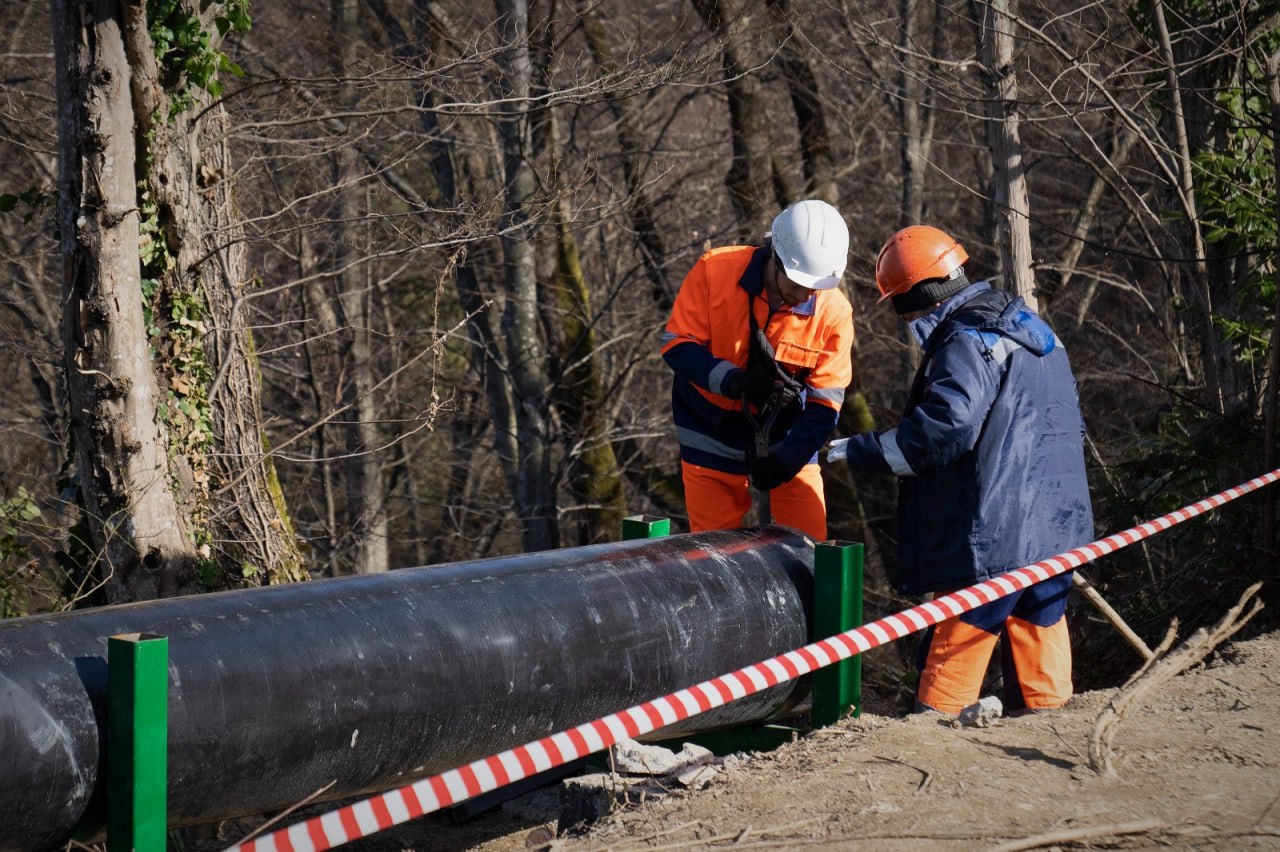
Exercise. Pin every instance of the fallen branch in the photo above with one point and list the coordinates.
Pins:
(738, 838)
(1094, 597)
(287, 811)
(1072, 835)
(1160, 670)
(1165, 644)
(925, 776)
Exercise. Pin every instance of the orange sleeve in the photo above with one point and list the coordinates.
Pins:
(690, 320)
(834, 370)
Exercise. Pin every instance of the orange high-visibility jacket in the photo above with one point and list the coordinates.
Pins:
(707, 339)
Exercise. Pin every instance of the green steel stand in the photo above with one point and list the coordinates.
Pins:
(837, 607)
(137, 742)
(644, 526)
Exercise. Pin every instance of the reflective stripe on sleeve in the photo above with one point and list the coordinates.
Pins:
(698, 441)
(718, 374)
(835, 396)
(893, 453)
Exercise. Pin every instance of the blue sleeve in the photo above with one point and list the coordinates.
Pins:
(962, 385)
(865, 455)
(696, 364)
(806, 436)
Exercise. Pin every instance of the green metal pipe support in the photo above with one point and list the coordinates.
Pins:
(837, 607)
(644, 526)
(137, 742)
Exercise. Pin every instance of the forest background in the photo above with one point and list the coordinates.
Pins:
(306, 289)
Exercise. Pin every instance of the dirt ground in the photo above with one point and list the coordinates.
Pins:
(1197, 767)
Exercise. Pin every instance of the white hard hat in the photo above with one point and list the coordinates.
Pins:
(812, 241)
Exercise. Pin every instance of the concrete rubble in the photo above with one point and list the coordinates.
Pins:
(982, 714)
(640, 772)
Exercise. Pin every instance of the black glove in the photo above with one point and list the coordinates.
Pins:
(755, 385)
(789, 390)
(768, 473)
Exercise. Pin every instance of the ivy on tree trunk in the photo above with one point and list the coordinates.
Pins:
(178, 492)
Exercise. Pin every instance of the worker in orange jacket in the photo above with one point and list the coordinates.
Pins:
(759, 340)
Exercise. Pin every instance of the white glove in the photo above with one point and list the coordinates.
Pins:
(838, 450)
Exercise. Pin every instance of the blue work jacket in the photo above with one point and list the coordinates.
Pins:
(989, 448)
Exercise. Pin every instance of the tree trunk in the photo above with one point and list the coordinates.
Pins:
(817, 161)
(749, 172)
(1195, 275)
(594, 479)
(915, 111)
(578, 390)
(1271, 398)
(1009, 183)
(318, 313)
(626, 109)
(532, 490)
(240, 505)
(255, 542)
(162, 382)
(365, 461)
(455, 181)
(140, 537)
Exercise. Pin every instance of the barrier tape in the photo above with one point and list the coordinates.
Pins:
(394, 807)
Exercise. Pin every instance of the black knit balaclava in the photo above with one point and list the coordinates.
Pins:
(930, 292)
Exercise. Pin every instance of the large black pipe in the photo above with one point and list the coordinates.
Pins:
(370, 682)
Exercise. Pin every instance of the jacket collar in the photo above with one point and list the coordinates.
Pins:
(922, 328)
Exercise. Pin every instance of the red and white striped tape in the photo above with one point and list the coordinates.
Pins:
(394, 807)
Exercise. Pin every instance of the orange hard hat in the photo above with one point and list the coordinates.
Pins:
(915, 254)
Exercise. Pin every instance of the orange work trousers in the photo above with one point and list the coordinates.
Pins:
(719, 501)
(1035, 660)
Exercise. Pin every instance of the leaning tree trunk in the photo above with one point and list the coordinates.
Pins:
(161, 381)
(1116, 152)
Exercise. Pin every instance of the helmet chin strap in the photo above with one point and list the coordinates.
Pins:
(772, 289)
(772, 294)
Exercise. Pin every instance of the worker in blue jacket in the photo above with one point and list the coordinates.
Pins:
(989, 455)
